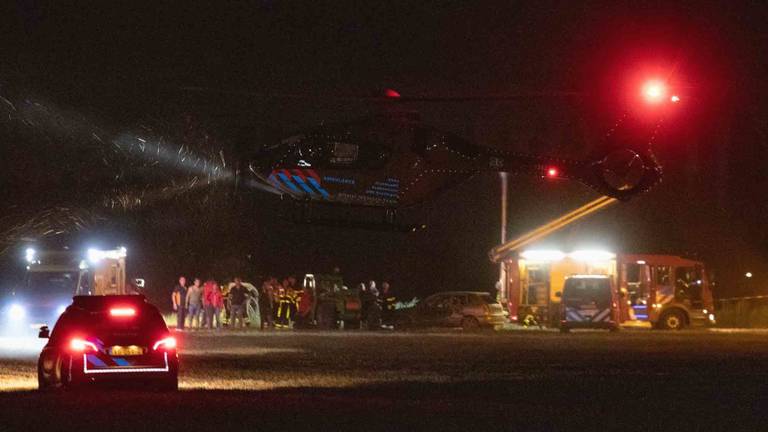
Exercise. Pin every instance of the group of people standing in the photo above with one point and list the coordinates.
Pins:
(284, 304)
(199, 304)
(274, 304)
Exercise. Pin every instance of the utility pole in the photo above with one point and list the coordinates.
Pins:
(502, 292)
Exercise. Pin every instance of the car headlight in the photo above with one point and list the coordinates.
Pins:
(16, 312)
(711, 317)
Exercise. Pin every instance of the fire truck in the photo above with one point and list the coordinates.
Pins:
(53, 277)
(659, 291)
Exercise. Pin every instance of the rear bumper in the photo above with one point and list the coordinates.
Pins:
(83, 371)
(588, 324)
(492, 320)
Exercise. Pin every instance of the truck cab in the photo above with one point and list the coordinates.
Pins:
(665, 291)
(53, 278)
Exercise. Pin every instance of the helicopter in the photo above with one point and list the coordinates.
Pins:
(394, 161)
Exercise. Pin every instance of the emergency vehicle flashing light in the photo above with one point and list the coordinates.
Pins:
(654, 91)
(96, 255)
(552, 172)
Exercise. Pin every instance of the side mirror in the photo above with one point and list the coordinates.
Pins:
(558, 294)
(44, 333)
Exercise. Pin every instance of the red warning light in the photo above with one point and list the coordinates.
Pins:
(552, 172)
(391, 93)
(654, 91)
(122, 312)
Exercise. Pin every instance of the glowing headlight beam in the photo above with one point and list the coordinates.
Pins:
(16, 312)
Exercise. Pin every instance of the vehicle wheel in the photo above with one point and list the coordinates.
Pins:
(470, 324)
(672, 320)
(42, 383)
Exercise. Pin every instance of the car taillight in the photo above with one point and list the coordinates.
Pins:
(168, 343)
(122, 312)
(81, 345)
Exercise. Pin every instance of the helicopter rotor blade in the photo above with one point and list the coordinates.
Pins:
(509, 96)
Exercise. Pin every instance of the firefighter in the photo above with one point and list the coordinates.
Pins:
(283, 307)
(266, 304)
(388, 299)
(294, 296)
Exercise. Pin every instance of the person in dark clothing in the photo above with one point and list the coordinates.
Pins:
(387, 300)
(266, 304)
(237, 298)
(179, 301)
(371, 310)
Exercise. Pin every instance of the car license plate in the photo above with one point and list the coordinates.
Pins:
(130, 350)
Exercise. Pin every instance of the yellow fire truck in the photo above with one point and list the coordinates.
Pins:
(660, 291)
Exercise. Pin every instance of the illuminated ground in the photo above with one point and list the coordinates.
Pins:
(636, 380)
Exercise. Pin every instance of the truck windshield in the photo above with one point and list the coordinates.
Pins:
(579, 291)
(688, 285)
(51, 283)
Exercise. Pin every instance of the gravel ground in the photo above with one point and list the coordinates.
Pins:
(635, 380)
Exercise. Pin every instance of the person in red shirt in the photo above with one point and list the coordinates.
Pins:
(306, 305)
(212, 303)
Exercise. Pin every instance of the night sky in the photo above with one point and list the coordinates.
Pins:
(75, 78)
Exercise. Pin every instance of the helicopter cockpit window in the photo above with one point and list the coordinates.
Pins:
(344, 153)
(329, 151)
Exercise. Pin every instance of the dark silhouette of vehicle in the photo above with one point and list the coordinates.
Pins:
(113, 338)
(336, 305)
(469, 310)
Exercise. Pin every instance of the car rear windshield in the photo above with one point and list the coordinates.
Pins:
(480, 299)
(585, 289)
(98, 314)
(485, 298)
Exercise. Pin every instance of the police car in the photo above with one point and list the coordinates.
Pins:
(120, 339)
